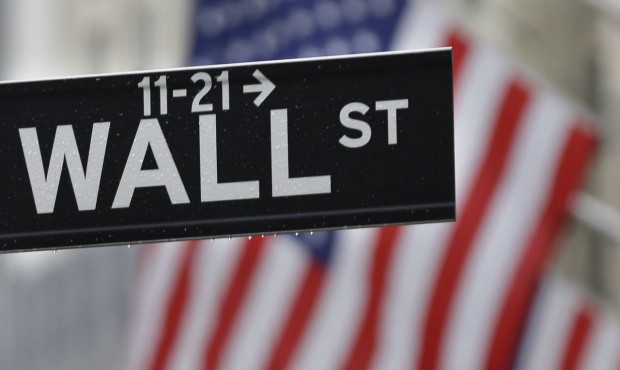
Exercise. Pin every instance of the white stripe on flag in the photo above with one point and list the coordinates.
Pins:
(421, 27)
(481, 92)
(266, 304)
(160, 268)
(549, 328)
(603, 350)
(334, 323)
(410, 279)
(210, 278)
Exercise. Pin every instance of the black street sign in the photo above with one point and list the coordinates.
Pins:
(227, 150)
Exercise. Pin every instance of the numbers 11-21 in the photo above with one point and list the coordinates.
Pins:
(198, 103)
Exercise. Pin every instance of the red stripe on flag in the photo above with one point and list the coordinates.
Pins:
(460, 52)
(299, 315)
(365, 345)
(176, 306)
(508, 331)
(512, 108)
(231, 303)
(579, 335)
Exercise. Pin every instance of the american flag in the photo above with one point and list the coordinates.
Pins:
(437, 296)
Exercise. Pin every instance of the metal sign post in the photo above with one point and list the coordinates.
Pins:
(227, 150)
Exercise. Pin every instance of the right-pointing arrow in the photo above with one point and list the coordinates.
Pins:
(264, 87)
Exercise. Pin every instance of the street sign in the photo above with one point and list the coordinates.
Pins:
(242, 149)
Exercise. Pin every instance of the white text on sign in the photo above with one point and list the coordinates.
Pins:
(86, 179)
(149, 134)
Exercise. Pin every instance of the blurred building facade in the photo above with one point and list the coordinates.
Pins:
(70, 309)
(65, 310)
(571, 44)
(72, 37)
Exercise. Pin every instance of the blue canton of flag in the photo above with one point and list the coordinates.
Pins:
(320, 245)
(250, 30)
